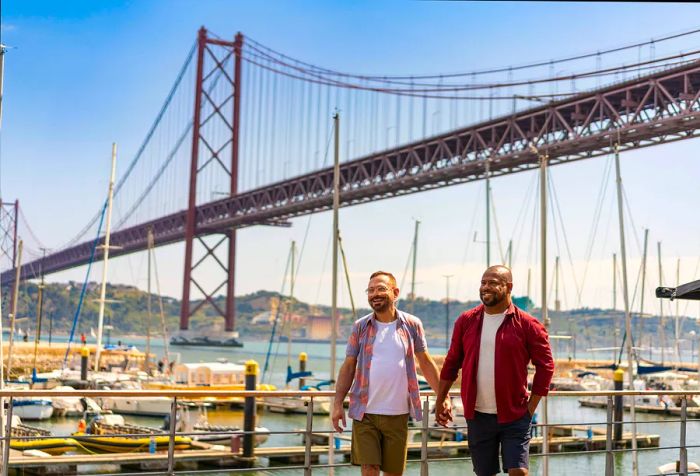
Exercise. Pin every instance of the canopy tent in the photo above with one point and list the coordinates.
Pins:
(684, 291)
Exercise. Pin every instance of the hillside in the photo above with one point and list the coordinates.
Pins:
(128, 314)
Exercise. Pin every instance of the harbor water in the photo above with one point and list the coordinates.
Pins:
(562, 410)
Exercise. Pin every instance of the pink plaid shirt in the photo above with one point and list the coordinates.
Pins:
(360, 346)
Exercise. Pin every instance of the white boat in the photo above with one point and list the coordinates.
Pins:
(322, 405)
(70, 406)
(146, 406)
(32, 408)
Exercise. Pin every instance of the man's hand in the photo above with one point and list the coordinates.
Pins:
(337, 415)
(532, 404)
(443, 411)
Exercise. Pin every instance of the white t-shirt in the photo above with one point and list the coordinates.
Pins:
(485, 381)
(388, 382)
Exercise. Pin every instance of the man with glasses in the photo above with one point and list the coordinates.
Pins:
(379, 371)
(493, 344)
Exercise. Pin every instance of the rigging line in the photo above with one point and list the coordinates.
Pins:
(468, 242)
(323, 267)
(498, 230)
(629, 214)
(555, 196)
(85, 283)
(537, 64)
(276, 318)
(308, 223)
(521, 219)
(597, 213)
(120, 183)
(307, 75)
(163, 322)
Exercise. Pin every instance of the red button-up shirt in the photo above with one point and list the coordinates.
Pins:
(521, 338)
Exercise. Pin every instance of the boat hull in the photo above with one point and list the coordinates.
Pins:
(31, 409)
(125, 444)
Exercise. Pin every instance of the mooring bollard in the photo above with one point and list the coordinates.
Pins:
(251, 377)
(618, 379)
(84, 358)
(302, 368)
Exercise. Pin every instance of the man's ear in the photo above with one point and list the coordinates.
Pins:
(396, 294)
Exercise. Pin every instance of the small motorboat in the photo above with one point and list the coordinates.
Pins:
(111, 434)
(38, 439)
(32, 408)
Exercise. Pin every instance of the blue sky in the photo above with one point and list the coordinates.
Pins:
(82, 74)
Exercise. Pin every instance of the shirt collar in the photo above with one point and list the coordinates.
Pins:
(400, 318)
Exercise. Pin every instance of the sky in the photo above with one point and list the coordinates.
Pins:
(80, 75)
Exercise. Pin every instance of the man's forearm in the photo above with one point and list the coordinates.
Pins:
(342, 385)
(444, 388)
(430, 371)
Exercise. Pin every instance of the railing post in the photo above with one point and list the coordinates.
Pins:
(8, 434)
(609, 461)
(307, 439)
(249, 411)
(171, 439)
(424, 439)
(683, 456)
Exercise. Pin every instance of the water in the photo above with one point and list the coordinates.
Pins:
(563, 410)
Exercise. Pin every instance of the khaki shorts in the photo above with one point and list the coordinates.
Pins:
(380, 440)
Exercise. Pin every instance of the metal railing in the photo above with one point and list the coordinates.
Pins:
(245, 458)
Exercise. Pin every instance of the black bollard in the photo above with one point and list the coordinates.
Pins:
(302, 368)
(618, 379)
(84, 358)
(251, 377)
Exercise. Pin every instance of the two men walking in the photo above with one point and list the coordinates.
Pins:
(492, 344)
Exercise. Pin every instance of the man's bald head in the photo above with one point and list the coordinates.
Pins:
(501, 271)
(496, 285)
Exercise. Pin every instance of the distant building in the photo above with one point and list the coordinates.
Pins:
(319, 327)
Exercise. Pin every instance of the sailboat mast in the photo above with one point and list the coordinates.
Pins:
(543, 285)
(13, 312)
(147, 361)
(625, 296)
(39, 307)
(662, 323)
(415, 260)
(290, 308)
(677, 321)
(336, 235)
(614, 276)
(488, 213)
(105, 247)
(640, 328)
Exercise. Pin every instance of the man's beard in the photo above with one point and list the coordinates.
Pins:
(493, 299)
(380, 306)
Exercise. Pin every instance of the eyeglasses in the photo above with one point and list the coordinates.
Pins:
(378, 289)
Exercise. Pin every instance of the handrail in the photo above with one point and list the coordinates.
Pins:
(300, 393)
(248, 457)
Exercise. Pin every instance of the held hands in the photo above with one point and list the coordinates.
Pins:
(443, 411)
(338, 414)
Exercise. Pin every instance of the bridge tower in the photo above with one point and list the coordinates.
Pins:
(9, 212)
(215, 144)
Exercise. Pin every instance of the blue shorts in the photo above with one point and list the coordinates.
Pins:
(485, 435)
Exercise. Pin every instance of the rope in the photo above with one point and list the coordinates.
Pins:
(85, 282)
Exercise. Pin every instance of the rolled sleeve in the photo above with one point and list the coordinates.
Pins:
(455, 355)
(420, 344)
(541, 356)
(353, 347)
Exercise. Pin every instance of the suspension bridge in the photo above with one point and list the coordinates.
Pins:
(250, 148)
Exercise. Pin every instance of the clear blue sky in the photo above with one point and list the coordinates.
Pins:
(82, 74)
